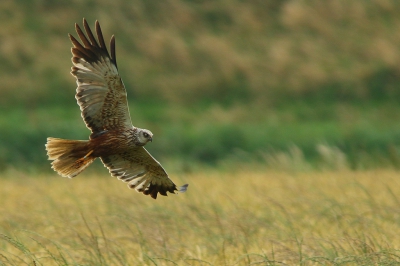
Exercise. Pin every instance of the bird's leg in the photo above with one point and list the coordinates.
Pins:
(84, 157)
(81, 161)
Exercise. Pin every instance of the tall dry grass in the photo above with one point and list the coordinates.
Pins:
(242, 218)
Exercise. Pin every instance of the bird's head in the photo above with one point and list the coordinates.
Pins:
(144, 136)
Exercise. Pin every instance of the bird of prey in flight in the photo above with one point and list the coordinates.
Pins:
(101, 96)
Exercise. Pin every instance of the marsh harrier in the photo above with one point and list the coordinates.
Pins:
(101, 95)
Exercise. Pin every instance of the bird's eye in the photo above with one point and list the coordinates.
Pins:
(145, 135)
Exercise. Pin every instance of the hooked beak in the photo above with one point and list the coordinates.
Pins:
(151, 139)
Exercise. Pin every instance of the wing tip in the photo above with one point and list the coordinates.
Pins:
(112, 49)
(85, 22)
(153, 191)
(92, 47)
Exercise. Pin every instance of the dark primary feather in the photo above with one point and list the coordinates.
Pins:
(91, 51)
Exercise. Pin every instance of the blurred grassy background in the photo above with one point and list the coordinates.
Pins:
(304, 84)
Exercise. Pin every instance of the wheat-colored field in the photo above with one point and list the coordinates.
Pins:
(242, 218)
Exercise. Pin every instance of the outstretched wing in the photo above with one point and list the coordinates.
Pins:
(101, 93)
(141, 171)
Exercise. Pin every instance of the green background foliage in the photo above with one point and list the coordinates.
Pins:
(218, 82)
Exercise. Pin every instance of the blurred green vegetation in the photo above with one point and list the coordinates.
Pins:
(219, 82)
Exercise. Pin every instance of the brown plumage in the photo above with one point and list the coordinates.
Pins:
(101, 96)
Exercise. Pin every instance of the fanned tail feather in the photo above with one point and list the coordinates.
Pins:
(70, 157)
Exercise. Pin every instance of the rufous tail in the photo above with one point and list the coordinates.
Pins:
(70, 157)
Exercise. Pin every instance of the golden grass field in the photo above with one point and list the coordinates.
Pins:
(242, 218)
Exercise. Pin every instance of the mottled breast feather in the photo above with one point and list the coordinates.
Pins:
(101, 93)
